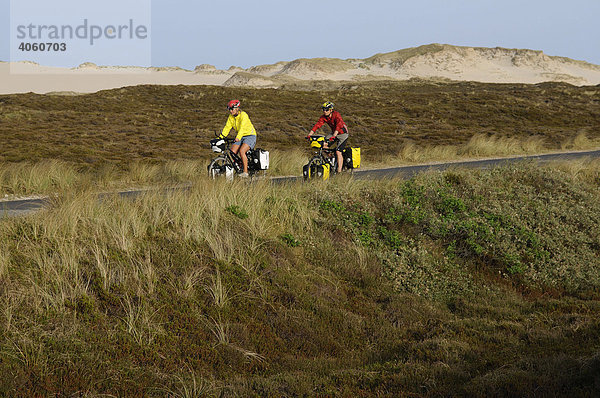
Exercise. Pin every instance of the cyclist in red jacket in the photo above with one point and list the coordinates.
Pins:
(339, 130)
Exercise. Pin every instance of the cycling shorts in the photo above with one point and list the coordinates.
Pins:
(341, 141)
(249, 140)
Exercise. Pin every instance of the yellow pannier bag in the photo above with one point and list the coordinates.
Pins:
(317, 141)
(323, 171)
(355, 158)
(351, 158)
(316, 171)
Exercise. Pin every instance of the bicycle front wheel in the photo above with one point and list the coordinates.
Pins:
(220, 167)
(312, 169)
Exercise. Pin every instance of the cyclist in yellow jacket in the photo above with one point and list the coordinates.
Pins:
(246, 134)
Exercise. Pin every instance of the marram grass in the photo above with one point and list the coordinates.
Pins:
(50, 177)
(470, 283)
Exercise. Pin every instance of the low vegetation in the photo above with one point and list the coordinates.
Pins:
(148, 135)
(166, 123)
(481, 283)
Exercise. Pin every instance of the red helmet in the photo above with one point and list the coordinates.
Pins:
(233, 104)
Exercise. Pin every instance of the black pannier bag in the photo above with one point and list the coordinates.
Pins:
(258, 159)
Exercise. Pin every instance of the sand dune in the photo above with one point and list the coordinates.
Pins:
(433, 61)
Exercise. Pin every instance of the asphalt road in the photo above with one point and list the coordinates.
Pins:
(14, 208)
(410, 171)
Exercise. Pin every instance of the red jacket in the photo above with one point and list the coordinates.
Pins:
(334, 121)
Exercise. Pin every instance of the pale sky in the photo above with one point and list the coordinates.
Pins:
(247, 33)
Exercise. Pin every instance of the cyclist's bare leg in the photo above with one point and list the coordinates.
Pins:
(340, 161)
(235, 149)
(327, 154)
(244, 148)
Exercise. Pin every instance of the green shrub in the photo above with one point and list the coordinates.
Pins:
(289, 240)
(237, 211)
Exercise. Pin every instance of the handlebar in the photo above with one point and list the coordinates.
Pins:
(225, 140)
(323, 145)
(316, 137)
(220, 144)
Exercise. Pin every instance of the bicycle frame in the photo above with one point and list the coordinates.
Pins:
(227, 163)
(327, 155)
(323, 156)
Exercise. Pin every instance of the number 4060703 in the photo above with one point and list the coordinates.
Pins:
(43, 47)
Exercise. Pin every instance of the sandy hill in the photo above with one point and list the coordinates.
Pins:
(433, 61)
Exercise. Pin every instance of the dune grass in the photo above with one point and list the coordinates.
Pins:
(462, 282)
(481, 146)
(149, 135)
(50, 177)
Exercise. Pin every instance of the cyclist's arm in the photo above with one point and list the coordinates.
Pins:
(317, 126)
(227, 128)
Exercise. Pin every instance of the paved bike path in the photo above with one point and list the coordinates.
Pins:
(13, 208)
(410, 171)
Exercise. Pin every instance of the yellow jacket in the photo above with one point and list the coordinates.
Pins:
(241, 124)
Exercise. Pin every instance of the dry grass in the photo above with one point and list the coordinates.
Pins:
(287, 163)
(585, 170)
(150, 135)
(218, 292)
(341, 287)
(480, 146)
(483, 146)
(191, 385)
(57, 176)
(26, 178)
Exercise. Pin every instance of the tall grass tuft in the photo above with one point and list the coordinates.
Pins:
(139, 321)
(218, 291)
(481, 145)
(478, 146)
(4, 262)
(38, 178)
(287, 162)
(580, 142)
(585, 170)
(190, 385)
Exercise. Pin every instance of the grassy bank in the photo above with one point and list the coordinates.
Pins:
(479, 283)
